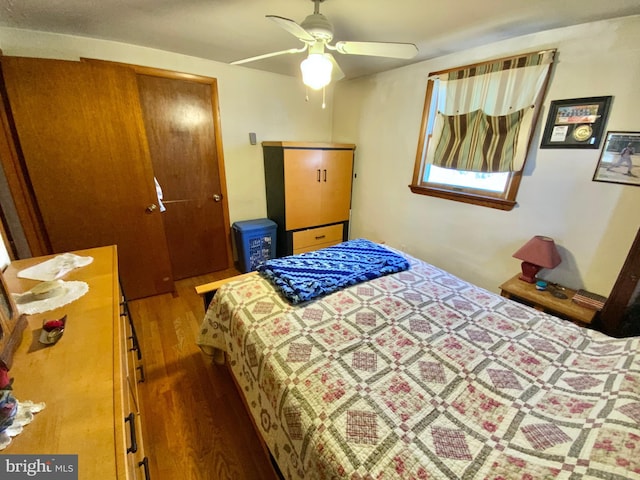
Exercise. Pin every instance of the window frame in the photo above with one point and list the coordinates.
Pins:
(502, 201)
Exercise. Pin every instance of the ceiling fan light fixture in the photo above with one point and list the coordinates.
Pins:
(316, 71)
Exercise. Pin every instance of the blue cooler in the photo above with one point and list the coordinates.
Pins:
(255, 242)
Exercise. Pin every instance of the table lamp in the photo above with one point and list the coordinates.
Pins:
(539, 252)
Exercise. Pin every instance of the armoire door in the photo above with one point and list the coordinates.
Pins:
(303, 187)
(81, 133)
(337, 172)
(181, 131)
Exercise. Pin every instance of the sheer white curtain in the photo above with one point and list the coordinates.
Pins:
(499, 98)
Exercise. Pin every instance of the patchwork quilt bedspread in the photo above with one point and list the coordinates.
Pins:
(419, 374)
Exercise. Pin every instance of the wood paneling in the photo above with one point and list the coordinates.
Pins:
(20, 189)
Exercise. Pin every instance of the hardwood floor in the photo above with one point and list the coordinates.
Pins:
(195, 424)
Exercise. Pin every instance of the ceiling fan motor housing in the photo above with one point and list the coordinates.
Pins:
(318, 26)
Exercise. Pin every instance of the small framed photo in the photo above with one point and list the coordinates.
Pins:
(576, 123)
(620, 159)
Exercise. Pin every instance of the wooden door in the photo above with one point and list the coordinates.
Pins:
(80, 130)
(302, 186)
(625, 292)
(181, 132)
(337, 170)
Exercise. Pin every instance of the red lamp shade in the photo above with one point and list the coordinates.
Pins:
(539, 252)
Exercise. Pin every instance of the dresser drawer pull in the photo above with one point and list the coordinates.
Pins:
(145, 463)
(318, 237)
(134, 343)
(135, 346)
(141, 368)
(131, 418)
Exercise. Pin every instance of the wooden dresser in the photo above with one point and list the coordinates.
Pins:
(88, 379)
(308, 188)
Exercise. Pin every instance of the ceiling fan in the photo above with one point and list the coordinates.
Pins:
(316, 33)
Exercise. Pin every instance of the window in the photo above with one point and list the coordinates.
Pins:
(476, 129)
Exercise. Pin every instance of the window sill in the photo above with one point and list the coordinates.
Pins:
(464, 197)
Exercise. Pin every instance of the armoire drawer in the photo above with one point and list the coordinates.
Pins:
(316, 238)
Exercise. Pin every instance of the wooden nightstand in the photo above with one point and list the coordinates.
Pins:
(526, 293)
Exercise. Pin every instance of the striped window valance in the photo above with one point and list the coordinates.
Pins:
(529, 60)
(479, 142)
(496, 99)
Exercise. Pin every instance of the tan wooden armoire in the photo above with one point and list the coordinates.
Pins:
(308, 187)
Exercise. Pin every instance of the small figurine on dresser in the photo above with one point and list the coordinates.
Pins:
(13, 414)
(8, 404)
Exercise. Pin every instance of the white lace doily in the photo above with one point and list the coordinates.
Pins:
(23, 417)
(55, 267)
(69, 291)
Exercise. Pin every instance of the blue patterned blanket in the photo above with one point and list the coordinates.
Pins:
(301, 278)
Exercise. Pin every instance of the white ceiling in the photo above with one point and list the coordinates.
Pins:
(228, 30)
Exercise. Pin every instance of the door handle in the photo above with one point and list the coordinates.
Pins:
(318, 175)
(217, 197)
(325, 175)
(151, 208)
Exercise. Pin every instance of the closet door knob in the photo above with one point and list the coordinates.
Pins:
(216, 197)
(151, 208)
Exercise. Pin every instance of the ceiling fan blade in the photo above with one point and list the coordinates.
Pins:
(292, 27)
(336, 72)
(378, 49)
(267, 55)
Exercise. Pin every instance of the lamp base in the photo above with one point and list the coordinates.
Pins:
(529, 272)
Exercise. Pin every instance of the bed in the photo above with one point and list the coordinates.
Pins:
(419, 374)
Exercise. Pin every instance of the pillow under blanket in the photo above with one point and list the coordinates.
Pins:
(303, 277)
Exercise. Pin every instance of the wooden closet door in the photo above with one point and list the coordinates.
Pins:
(81, 133)
(624, 293)
(178, 116)
(337, 170)
(303, 188)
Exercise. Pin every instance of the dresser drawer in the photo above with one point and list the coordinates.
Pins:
(316, 238)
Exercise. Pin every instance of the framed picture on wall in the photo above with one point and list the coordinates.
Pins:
(620, 159)
(576, 123)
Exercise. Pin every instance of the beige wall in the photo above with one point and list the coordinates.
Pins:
(273, 106)
(593, 223)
